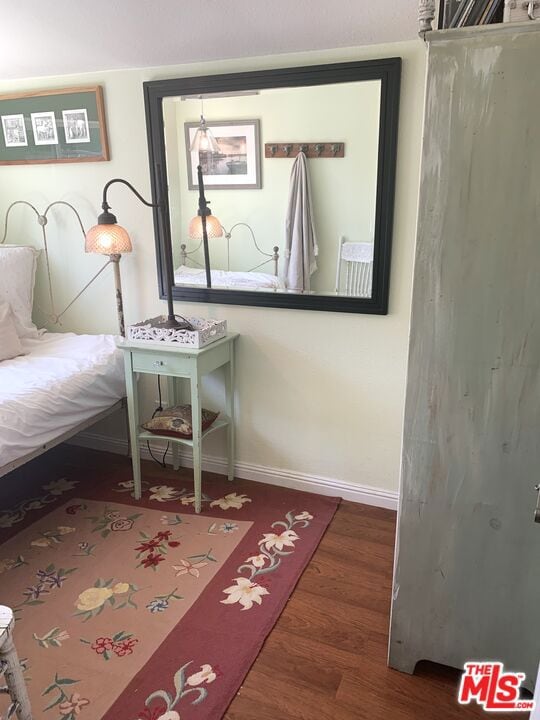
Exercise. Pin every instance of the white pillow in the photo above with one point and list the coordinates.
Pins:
(17, 277)
(10, 345)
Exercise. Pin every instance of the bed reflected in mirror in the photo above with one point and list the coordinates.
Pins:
(298, 174)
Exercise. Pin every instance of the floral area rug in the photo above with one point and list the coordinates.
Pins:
(144, 610)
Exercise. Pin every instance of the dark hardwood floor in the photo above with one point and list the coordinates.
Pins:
(326, 657)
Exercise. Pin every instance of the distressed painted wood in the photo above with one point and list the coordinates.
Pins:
(229, 409)
(13, 674)
(466, 582)
(173, 397)
(133, 423)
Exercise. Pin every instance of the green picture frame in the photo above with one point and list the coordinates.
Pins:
(53, 126)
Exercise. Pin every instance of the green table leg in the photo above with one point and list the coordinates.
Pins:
(197, 438)
(133, 413)
(229, 409)
(172, 394)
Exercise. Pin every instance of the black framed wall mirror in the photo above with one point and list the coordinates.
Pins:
(299, 169)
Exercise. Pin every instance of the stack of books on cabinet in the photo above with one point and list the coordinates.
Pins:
(463, 13)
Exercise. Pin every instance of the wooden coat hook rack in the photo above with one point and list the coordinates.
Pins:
(311, 150)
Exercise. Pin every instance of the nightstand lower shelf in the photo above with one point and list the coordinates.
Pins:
(217, 425)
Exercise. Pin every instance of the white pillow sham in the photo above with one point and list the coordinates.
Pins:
(10, 345)
(17, 277)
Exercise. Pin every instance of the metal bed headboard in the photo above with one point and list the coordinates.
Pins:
(42, 221)
(273, 257)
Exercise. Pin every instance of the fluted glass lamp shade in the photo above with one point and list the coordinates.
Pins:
(108, 240)
(213, 227)
(204, 141)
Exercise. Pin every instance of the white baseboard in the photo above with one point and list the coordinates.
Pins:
(258, 473)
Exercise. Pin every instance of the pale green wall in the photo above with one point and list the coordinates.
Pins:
(343, 189)
(317, 393)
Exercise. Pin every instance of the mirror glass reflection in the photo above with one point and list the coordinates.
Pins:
(291, 179)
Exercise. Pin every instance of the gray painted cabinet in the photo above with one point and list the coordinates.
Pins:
(467, 574)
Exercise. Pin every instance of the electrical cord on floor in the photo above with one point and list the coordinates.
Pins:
(159, 408)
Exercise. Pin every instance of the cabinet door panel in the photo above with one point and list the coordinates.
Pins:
(466, 581)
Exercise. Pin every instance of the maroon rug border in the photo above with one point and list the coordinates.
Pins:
(184, 635)
(273, 502)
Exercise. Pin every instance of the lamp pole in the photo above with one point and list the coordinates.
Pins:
(115, 259)
(204, 211)
(107, 218)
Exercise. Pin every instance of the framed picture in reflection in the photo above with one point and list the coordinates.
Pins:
(237, 164)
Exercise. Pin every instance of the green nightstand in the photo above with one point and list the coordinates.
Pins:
(174, 363)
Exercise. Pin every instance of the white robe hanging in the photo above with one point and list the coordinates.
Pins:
(300, 241)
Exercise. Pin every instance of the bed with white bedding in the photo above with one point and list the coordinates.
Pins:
(251, 280)
(64, 383)
(52, 385)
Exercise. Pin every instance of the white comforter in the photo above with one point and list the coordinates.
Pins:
(185, 275)
(64, 380)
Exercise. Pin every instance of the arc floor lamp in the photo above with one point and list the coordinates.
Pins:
(110, 238)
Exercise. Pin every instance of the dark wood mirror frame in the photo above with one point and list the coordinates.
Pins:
(388, 71)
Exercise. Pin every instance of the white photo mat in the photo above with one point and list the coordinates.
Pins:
(14, 130)
(44, 128)
(76, 127)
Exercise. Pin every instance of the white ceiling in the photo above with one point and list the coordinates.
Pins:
(70, 36)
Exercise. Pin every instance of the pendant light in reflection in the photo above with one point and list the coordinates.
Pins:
(204, 141)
